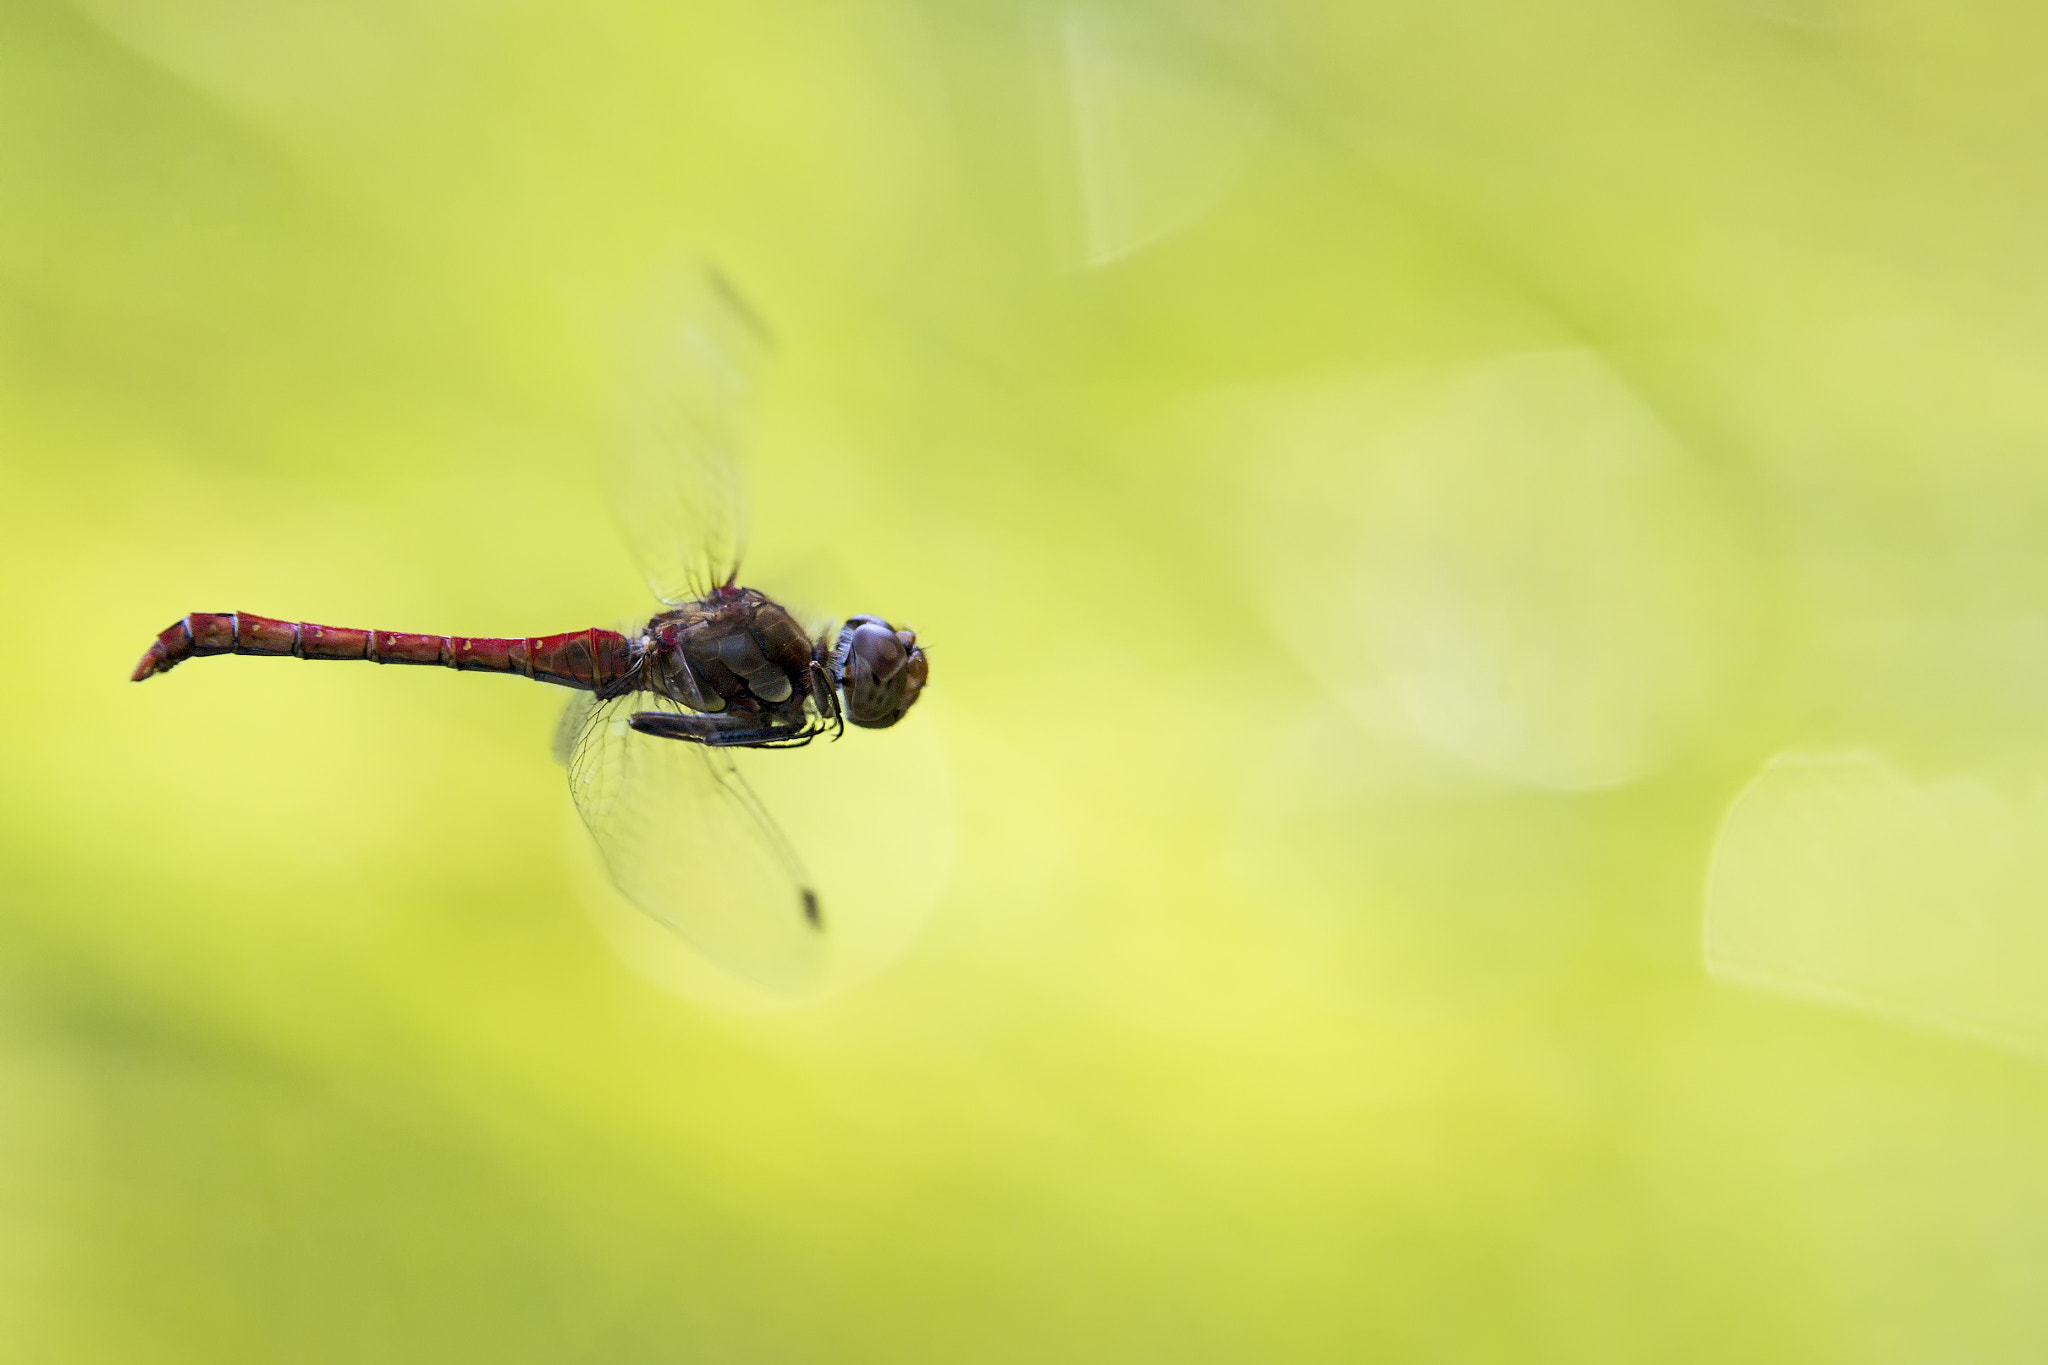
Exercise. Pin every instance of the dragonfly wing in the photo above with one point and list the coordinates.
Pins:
(677, 488)
(568, 730)
(684, 838)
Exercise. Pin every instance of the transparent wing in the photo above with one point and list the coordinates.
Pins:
(684, 838)
(575, 718)
(677, 489)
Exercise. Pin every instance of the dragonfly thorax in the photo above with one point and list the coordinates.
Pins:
(734, 651)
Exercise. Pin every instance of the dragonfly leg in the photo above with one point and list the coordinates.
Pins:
(721, 732)
(787, 739)
(825, 699)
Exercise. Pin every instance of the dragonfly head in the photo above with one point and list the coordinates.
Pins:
(879, 671)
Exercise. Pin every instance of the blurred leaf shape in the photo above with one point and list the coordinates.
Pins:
(1838, 878)
(276, 57)
(1161, 130)
(1514, 560)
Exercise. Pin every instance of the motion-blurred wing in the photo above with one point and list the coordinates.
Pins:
(677, 488)
(684, 838)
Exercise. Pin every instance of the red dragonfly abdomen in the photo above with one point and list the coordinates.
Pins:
(594, 660)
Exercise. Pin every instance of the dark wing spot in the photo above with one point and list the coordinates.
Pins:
(811, 911)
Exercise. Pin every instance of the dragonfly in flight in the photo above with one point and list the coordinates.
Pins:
(663, 712)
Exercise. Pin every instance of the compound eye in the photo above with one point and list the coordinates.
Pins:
(879, 669)
(878, 650)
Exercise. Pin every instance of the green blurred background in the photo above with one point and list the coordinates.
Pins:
(1490, 680)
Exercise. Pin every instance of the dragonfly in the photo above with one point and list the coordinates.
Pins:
(662, 714)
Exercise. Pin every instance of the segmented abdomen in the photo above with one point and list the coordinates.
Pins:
(594, 660)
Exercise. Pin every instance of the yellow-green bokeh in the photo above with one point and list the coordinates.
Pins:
(1485, 571)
